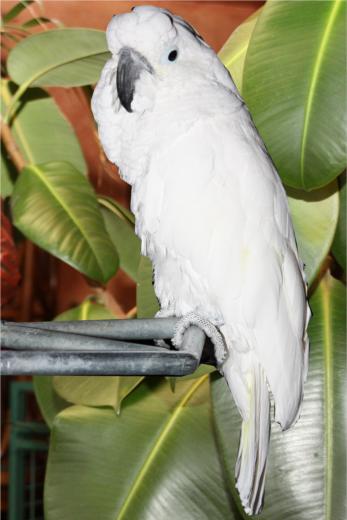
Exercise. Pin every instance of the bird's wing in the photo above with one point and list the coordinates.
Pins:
(220, 205)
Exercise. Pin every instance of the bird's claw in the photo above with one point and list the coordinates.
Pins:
(210, 330)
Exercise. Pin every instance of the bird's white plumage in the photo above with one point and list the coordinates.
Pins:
(212, 215)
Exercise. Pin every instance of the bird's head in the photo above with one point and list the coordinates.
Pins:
(152, 49)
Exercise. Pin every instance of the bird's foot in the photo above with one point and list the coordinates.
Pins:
(210, 330)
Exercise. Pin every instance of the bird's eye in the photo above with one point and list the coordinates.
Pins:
(169, 55)
(172, 56)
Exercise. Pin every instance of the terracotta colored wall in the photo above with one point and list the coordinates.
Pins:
(213, 19)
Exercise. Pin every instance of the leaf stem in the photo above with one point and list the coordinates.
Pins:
(110, 302)
(158, 442)
(11, 146)
(132, 313)
(9, 113)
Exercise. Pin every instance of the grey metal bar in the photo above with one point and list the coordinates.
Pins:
(136, 329)
(106, 357)
(139, 362)
(24, 338)
(193, 341)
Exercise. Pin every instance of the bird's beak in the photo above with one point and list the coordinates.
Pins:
(130, 66)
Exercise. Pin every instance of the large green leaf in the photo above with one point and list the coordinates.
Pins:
(339, 244)
(294, 83)
(40, 130)
(49, 401)
(146, 300)
(93, 390)
(306, 475)
(157, 460)
(121, 231)
(54, 394)
(233, 52)
(54, 205)
(315, 215)
(59, 57)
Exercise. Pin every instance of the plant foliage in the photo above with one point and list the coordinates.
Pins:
(131, 448)
(296, 91)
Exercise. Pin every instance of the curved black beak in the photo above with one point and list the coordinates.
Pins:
(130, 66)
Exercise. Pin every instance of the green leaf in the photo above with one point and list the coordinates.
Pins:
(306, 475)
(7, 175)
(123, 236)
(56, 393)
(88, 310)
(93, 390)
(200, 371)
(233, 52)
(114, 206)
(96, 390)
(339, 244)
(50, 403)
(54, 205)
(16, 10)
(146, 300)
(41, 131)
(59, 57)
(328, 338)
(294, 84)
(157, 460)
(315, 216)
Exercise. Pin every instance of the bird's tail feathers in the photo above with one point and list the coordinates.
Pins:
(254, 442)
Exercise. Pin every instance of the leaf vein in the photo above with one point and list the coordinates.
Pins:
(314, 80)
(68, 212)
(158, 443)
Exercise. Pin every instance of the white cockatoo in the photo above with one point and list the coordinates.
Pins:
(212, 215)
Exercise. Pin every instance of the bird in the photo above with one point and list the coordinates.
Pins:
(212, 215)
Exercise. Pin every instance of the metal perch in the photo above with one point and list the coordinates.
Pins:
(100, 347)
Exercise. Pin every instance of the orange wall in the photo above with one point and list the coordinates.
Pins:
(214, 20)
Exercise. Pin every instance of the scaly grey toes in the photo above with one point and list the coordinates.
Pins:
(210, 330)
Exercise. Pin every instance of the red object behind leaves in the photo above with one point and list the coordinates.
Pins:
(9, 262)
